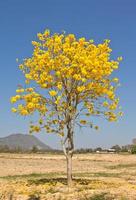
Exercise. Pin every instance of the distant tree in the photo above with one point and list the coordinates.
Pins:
(84, 150)
(34, 149)
(126, 148)
(98, 149)
(89, 150)
(70, 82)
(116, 147)
(133, 149)
(4, 148)
(18, 149)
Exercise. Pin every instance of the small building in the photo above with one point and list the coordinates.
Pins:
(111, 151)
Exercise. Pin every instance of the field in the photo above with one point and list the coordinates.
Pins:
(43, 177)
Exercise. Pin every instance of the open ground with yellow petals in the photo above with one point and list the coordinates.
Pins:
(43, 177)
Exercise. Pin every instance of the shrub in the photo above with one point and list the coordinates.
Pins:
(133, 149)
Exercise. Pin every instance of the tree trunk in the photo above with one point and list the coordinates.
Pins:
(68, 148)
(69, 169)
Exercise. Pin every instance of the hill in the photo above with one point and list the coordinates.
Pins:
(24, 142)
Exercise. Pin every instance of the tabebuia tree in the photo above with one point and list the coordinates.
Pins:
(68, 80)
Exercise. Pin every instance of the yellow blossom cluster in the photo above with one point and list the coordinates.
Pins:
(68, 71)
(32, 101)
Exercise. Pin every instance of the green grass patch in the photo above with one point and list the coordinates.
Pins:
(97, 174)
(102, 196)
(33, 176)
(51, 175)
(119, 166)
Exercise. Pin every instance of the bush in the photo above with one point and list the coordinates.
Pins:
(102, 196)
(133, 149)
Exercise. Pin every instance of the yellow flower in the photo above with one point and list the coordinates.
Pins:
(91, 41)
(83, 80)
(58, 100)
(36, 128)
(77, 77)
(58, 73)
(120, 58)
(28, 76)
(27, 81)
(47, 32)
(83, 71)
(13, 99)
(113, 106)
(14, 110)
(24, 112)
(29, 89)
(52, 93)
(121, 114)
(20, 90)
(30, 105)
(83, 122)
(109, 93)
(17, 97)
(59, 86)
(96, 127)
(35, 100)
(107, 41)
(40, 121)
(20, 107)
(116, 80)
(115, 67)
(94, 71)
(44, 85)
(80, 88)
(105, 103)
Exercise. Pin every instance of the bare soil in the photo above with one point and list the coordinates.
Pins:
(43, 176)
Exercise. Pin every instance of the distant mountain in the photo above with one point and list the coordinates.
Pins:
(24, 142)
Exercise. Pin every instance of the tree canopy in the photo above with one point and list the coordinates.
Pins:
(72, 78)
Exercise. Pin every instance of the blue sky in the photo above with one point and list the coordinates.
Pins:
(21, 20)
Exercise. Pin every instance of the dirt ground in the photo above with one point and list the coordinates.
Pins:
(42, 177)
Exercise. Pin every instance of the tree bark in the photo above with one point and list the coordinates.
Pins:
(68, 148)
(69, 169)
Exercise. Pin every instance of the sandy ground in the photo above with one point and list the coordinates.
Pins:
(18, 164)
(22, 176)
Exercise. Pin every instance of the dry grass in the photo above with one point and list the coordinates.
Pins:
(42, 176)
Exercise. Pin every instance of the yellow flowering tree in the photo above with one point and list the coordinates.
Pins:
(68, 80)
